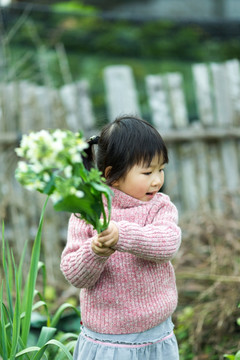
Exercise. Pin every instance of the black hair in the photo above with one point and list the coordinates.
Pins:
(126, 142)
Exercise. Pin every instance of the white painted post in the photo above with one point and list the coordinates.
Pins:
(233, 74)
(85, 108)
(44, 107)
(121, 94)
(10, 105)
(27, 108)
(78, 107)
(68, 96)
(158, 99)
(216, 183)
(203, 94)
(224, 83)
(177, 100)
(2, 119)
(158, 102)
(187, 168)
(201, 160)
(222, 89)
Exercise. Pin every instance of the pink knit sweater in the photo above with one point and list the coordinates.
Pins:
(134, 289)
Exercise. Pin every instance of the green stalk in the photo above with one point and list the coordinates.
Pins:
(16, 317)
(32, 279)
(20, 267)
(3, 349)
(6, 272)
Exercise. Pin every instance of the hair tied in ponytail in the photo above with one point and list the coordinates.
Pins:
(93, 140)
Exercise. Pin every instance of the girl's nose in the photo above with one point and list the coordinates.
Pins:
(157, 181)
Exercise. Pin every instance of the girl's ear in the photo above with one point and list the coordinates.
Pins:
(107, 170)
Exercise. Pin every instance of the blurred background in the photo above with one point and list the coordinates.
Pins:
(77, 65)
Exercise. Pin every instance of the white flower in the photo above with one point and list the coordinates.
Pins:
(81, 144)
(39, 185)
(19, 152)
(59, 134)
(58, 145)
(56, 197)
(76, 158)
(43, 135)
(37, 167)
(22, 166)
(72, 190)
(25, 141)
(46, 177)
(79, 194)
(68, 171)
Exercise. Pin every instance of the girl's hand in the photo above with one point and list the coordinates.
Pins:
(99, 249)
(109, 237)
(102, 243)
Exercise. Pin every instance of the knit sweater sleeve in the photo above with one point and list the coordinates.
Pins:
(158, 241)
(79, 264)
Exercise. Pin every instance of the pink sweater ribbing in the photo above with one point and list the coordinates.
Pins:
(134, 289)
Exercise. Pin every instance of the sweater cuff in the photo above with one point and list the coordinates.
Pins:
(121, 245)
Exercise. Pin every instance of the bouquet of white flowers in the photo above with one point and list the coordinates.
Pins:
(52, 163)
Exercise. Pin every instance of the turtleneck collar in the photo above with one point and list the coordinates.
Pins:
(122, 200)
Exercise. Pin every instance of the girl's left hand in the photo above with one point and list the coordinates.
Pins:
(109, 237)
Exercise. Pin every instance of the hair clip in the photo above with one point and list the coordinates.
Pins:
(93, 140)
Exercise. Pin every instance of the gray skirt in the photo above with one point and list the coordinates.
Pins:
(158, 343)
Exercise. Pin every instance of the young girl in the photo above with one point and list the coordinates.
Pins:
(128, 290)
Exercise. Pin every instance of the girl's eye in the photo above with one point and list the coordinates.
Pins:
(147, 173)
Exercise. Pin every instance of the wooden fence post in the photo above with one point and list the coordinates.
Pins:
(158, 102)
(223, 88)
(85, 108)
(187, 169)
(203, 94)
(121, 94)
(205, 106)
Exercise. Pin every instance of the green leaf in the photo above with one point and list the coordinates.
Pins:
(7, 317)
(237, 356)
(59, 312)
(40, 353)
(8, 279)
(73, 204)
(32, 278)
(67, 336)
(27, 351)
(230, 357)
(21, 262)
(3, 349)
(46, 335)
(70, 346)
(89, 207)
(16, 318)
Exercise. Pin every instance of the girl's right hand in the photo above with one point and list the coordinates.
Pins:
(100, 249)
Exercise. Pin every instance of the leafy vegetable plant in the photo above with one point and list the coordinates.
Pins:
(53, 164)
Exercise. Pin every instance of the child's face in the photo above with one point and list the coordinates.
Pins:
(142, 181)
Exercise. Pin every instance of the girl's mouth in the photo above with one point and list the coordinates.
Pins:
(151, 194)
